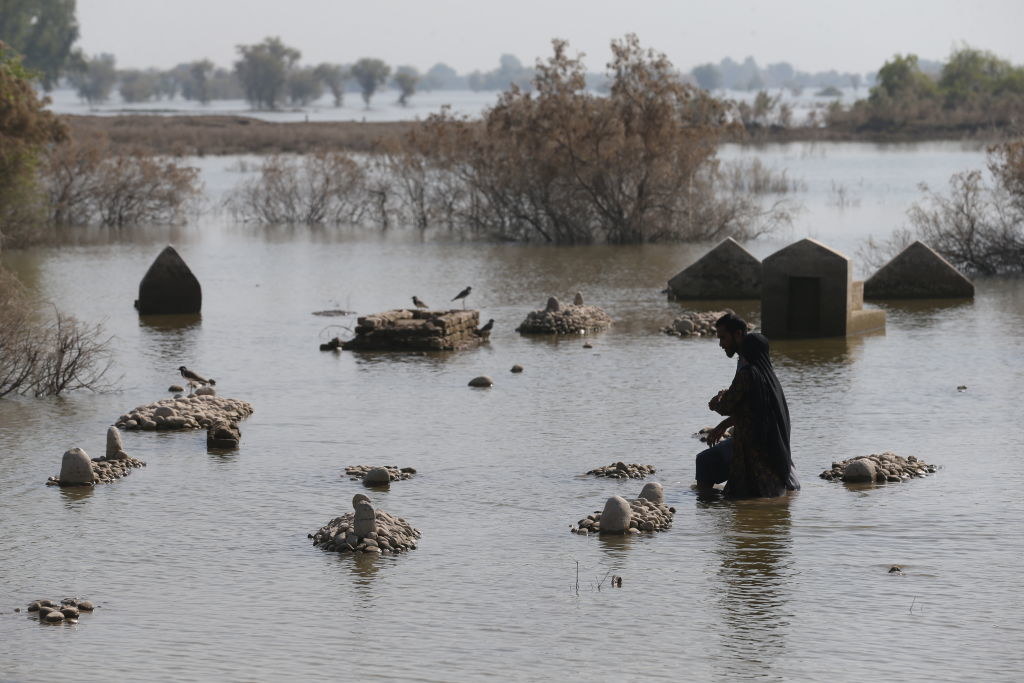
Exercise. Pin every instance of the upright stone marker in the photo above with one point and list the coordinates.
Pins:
(75, 468)
(918, 272)
(616, 516)
(726, 272)
(114, 443)
(169, 287)
(807, 290)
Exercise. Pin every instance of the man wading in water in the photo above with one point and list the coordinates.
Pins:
(756, 462)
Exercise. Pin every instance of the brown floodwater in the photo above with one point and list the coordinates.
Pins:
(200, 561)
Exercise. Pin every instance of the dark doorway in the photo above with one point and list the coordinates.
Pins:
(803, 317)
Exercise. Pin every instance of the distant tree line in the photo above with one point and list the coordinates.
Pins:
(747, 75)
(974, 89)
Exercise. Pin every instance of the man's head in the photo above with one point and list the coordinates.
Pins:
(730, 328)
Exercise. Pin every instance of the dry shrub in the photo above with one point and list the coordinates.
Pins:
(46, 357)
(325, 187)
(977, 226)
(562, 165)
(86, 182)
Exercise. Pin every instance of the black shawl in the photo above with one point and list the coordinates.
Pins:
(769, 412)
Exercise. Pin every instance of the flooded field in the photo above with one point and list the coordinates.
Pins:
(201, 564)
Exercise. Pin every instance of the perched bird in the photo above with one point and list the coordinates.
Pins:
(485, 331)
(418, 303)
(193, 379)
(462, 295)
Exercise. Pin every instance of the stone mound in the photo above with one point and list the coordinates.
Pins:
(621, 470)
(646, 516)
(416, 330)
(558, 319)
(349, 533)
(187, 412)
(223, 434)
(697, 324)
(67, 611)
(394, 472)
(78, 470)
(880, 468)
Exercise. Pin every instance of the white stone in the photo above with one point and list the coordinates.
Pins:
(616, 516)
(861, 469)
(653, 492)
(75, 468)
(114, 443)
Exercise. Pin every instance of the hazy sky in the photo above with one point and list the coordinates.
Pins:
(848, 35)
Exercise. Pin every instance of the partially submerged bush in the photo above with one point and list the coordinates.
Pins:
(978, 226)
(323, 187)
(46, 357)
(561, 164)
(86, 182)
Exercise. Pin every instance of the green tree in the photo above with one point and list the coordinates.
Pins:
(971, 75)
(197, 85)
(95, 79)
(25, 127)
(333, 76)
(43, 32)
(263, 70)
(902, 78)
(708, 76)
(138, 86)
(370, 74)
(406, 78)
(304, 86)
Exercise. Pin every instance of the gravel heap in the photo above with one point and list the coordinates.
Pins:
(620, 470)
(696, 324)
(388, 534)
(68, 610)
(881, 467)
(648, 516)
(187, 412)
(104, 470)
(394, 473)
(571, 319)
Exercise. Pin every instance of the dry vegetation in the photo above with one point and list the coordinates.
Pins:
(978, 226)
(202, 135)
(46, 357)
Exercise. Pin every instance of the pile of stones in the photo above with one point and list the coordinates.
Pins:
(558, 319)
(67, 611)
(366, 531)
(880, 468)
(223, 434)
(373, 475)
(416, 330)
(187, 412)
(620, 470)
(77, 469)
(645, 514)
(696, 324)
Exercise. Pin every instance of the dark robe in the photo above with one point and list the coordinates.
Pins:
(762, 466)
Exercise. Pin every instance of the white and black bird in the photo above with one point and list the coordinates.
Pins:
(485, 331)
(418, 303)
(462, 295)
(194, 379)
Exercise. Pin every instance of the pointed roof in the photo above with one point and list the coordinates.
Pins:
(808, 247)
(918, 272)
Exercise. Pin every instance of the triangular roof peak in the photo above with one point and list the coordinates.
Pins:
(808, 244)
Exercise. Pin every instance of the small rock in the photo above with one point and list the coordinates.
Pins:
(174, 388)
(858, 470)
(616, 516)
(653, 492)
(481, 381)
(578, 299)
(377, 476)
(206, 391)
(552, 305)
(517, 368)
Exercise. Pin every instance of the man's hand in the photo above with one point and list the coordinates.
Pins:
(715, 435)
(713, 403)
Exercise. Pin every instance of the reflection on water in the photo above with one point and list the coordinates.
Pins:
(75, 496)
(755, 552)
(171, 323)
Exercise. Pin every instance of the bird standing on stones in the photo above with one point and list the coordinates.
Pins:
(418, 303)
(462, 295)
(193, 379)
(485, 331)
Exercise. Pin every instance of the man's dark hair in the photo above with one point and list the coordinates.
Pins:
(732, 323)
